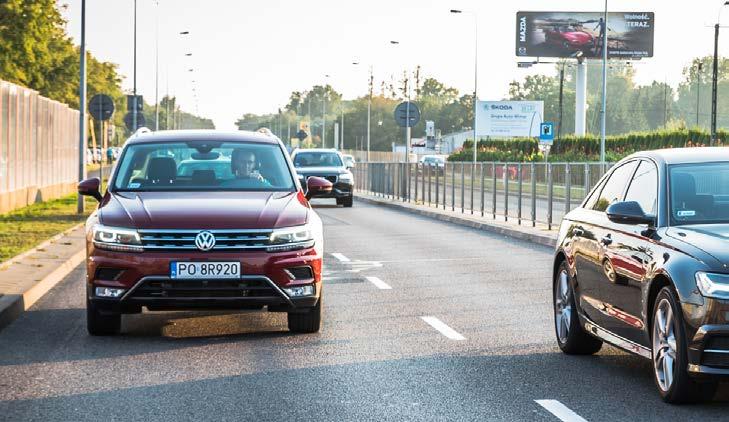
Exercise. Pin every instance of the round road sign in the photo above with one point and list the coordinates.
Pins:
(407, 114)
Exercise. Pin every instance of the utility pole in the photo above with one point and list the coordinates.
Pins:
(82, 109)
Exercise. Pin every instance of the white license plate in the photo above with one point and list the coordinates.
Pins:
(207, 270)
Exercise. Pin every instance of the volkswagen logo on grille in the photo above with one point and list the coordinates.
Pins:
(205, 241)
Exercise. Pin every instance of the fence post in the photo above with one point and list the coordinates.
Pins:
(482, 188)
(567, 189)
(473, 171)
(463, 185)
(493, 188)
(587, 179)
(533, 175)
(453, 188)
(550, 188)
(437, 174)
(518, 204)
(506, 192)
(416, 182)
(430, 197)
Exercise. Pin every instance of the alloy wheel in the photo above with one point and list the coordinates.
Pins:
(563, 306)
(664, 345)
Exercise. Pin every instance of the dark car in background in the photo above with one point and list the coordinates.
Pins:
(327, 164)
(643, 264)
(203, 220)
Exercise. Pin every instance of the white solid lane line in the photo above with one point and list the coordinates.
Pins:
(378, 283)
(442, 328)
(561, 411)
(340, 257)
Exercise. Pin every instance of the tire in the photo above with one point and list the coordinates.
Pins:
(670, 357)
(346, 202)
(309, 322)
(571, 337)
(101, 324)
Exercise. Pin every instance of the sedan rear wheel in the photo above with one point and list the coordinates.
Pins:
(571, 338)
(670, 359)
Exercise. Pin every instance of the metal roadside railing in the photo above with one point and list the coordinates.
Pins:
(529, 193)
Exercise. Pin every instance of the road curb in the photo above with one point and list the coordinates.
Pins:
(13, 305)
(549, 240)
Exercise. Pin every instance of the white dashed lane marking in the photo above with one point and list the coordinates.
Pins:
(561, 411)
(442, 328)
(340, 257)
(378, 283)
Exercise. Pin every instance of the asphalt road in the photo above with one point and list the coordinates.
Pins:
(376, 358)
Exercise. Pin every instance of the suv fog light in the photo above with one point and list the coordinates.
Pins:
(299, 291)
(109, 292)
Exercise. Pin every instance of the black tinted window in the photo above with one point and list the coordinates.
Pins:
(615, 186)
(644, 187)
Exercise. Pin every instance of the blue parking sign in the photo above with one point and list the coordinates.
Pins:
(546, 133)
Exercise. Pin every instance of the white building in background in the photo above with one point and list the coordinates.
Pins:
(453, 141)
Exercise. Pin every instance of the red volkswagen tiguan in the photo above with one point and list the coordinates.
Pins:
(204, 220)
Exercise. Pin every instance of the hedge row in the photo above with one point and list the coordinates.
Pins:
(585, 148)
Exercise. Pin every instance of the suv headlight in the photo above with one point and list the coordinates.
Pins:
(713, 285)
(291, 238)
(345, 177)
(116, 239)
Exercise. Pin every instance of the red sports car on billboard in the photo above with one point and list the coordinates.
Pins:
(569, 38)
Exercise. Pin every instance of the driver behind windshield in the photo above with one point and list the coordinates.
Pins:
(243, 164)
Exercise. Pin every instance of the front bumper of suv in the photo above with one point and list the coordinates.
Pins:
(145, 280)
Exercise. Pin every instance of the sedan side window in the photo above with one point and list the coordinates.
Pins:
(615, 186)
(644, 187)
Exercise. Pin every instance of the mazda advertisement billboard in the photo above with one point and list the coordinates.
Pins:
(573, 34)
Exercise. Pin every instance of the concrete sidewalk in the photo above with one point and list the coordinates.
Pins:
(525, 231)
(27, 277)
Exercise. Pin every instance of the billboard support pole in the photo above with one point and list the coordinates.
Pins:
(581, 97)
(82, 143)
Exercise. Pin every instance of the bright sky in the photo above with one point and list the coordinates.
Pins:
(248, 55)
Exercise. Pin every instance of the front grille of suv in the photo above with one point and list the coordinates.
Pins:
(203, 289)
(185, 239)
(332, 179)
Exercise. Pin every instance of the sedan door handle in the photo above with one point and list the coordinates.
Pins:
(606, 240)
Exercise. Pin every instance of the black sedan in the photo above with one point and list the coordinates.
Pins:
(643, 265)
(327, 164)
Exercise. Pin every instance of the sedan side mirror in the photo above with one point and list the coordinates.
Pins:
(90, 187)
(317, 186)
(628, 212)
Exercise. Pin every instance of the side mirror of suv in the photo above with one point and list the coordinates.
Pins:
(628, 212)
(90, 187)
(316, 186)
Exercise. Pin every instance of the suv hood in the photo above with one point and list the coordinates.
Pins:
(712, 239)
(203, 210)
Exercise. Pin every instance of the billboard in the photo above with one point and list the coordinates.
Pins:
(509, 118)
(566, 34)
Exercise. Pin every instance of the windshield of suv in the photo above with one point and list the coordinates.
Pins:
(317, 159)
(699, 193)
(203, 165)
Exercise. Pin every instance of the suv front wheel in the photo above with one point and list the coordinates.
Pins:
(306, 322)
(100, 323)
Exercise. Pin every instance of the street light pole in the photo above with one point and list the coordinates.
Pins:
(604, 86)
(324, 114)
(715, 74)
(134, 90)
(369, 107)
(156, 73)
(82, 109)
(475, 80)
(698, 90)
